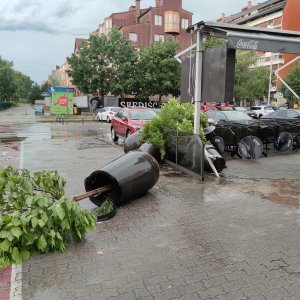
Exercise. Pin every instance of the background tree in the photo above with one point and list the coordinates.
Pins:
(251, 82)
(8, 84)
(122, 64)
(88, 66)
(24, 86)
(104, 64)
(212, 42)
(53, 80)
(159, 72)
(35, 93)
(293, 80)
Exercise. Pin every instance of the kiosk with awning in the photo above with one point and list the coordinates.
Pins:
(238, 37)
(212, 70)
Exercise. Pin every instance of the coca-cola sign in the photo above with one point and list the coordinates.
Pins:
(247, 45)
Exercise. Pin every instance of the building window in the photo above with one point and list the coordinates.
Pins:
(158, 20)
(159, 38)
(133, 37)
(172, 20)
(270, 23)
(108, 25)
(184, 23)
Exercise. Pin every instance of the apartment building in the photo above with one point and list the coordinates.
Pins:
(276, 14)
(144, 26)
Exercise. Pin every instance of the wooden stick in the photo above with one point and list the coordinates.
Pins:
(93, 192)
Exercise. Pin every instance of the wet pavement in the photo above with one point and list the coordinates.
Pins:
(234, 237)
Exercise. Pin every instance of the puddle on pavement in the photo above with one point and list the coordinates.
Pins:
(168, 171)
(279, 191)
(285, 192)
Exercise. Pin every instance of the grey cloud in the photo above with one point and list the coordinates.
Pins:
(23, 5)
(13, 25)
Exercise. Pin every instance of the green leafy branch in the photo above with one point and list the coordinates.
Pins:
(36, 215)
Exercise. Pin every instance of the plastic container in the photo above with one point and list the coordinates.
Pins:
(130, 175)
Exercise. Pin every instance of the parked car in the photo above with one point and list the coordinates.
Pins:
(223, 106)
(244, 110)
(227, 117)
(39, 110)
(283, 115)
(261, 110)
(106, 113)
(129, 120)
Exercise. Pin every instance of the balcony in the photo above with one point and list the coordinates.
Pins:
(172, 22)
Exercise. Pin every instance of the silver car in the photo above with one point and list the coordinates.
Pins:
(261, 110)
(106, 113)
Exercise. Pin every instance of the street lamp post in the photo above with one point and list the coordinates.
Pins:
(270, 79)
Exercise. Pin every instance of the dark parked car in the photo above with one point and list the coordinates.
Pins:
(283, 115)
(244, 110)
(227, 117)
(129, 120)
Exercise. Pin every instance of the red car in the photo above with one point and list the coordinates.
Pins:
(129, 120)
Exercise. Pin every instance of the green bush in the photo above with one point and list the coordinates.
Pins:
(36, 216)
(176, 116)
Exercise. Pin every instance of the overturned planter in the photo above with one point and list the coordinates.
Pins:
(133, 142)
(151, 149)
(130, 176)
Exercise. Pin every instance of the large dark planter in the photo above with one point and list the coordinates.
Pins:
(151, 149)
(130, 175)
(133, 142)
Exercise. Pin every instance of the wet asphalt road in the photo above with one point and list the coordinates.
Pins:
(236, 237)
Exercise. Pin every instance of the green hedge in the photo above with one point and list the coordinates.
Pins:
(5, 105)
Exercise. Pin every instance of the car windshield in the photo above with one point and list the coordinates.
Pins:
(114, 108)
(256, 108)
(142, 114)
(236, 116)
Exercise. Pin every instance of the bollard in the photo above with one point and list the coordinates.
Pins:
(130, 176)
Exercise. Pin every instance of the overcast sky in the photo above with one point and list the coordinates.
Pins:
(37, 35)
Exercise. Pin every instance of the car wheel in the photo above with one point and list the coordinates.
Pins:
(114, 137)
(260, 116)
(107, 120)
(128, 133)
(98, 119)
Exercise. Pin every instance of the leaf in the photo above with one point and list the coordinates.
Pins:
(4, 246)
(58, 236)
(4, 234)
(52, 233)
(44, 217)
(25, 254)
(42, 243)
(16, 256)
(60, 212)
(41, 223)
(34, 222)
(16, 231)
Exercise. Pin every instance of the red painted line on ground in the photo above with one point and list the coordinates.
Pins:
(5, 279)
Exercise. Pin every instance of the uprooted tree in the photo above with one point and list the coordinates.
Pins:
(36, 215)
